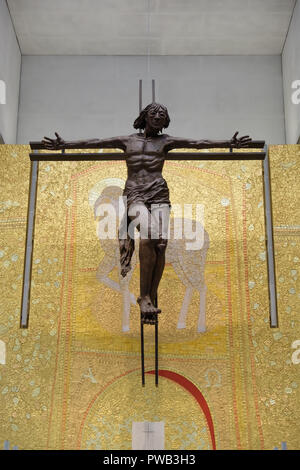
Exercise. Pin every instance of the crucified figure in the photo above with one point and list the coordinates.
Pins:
(147, 191)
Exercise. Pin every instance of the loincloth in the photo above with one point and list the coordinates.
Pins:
(154, 193)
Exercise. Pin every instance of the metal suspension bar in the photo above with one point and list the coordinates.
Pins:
(153, 91)
(270, 242)
(34, 169)
(156, 344)
(142, 352)
(174, 156)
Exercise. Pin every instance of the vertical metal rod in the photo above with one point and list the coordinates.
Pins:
(29, 244)
(140, 99)
(142, 324)
(270, 242)
(153, 91)
(156, 343)
(156, 352)
(142, 352)
(140, 95)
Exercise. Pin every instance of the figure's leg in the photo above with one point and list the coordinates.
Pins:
(148, 261)
(160, 249)
(160, 225)
(141, 217)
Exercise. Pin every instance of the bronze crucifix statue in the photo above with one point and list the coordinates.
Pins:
(147, 192)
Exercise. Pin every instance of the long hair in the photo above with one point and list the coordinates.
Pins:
(140, 122)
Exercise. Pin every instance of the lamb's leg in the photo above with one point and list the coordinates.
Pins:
(202, 313)
(184, 307)
(105, 267)
(124, 283)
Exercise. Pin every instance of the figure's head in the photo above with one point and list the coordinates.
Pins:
(155, 115)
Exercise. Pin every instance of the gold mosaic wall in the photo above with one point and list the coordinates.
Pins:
(72, 379)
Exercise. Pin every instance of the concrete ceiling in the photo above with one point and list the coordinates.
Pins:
(160, 27)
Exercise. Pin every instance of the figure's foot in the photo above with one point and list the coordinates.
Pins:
(153, 297)
(149, 318)
(147, 306)
(148, 311)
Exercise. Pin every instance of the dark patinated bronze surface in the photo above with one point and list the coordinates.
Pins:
(145, 153)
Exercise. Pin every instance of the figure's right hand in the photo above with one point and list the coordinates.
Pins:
(54, 144)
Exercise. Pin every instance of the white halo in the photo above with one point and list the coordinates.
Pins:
(96, 190)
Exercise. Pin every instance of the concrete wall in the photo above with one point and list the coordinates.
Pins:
(10, 66)
(97, 96)
(291, 72)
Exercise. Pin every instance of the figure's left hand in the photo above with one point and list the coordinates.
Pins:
(241, 142)
(54, 144)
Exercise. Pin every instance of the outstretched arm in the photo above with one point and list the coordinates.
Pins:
(178, 142)
(59, 143)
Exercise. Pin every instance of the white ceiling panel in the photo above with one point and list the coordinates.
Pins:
(158, 27)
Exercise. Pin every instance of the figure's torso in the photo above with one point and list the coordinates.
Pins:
(145, 158)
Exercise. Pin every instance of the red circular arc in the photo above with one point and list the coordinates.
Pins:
(191, 388)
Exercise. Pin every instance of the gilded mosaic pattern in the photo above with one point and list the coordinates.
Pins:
(72, 380)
